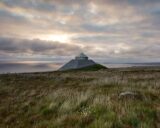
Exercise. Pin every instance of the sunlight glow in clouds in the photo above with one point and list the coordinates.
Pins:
(63, 38)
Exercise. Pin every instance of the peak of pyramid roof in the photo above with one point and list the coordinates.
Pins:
(82, 55)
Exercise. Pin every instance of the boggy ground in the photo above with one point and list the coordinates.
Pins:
(81, 99)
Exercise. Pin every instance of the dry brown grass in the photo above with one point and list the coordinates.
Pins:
(81, 99)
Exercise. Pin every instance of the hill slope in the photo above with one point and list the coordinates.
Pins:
(94, 67)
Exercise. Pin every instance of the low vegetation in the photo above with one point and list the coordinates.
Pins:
(91, 68)
(81, 99)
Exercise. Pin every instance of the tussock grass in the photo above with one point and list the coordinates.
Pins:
(80, 99)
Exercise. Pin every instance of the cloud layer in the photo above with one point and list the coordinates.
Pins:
(122, 30)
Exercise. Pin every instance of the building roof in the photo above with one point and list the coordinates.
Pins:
(80, 61)
(77, 64)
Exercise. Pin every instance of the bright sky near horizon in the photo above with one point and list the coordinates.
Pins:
(106, 30)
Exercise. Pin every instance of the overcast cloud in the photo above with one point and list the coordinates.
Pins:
(106, 30)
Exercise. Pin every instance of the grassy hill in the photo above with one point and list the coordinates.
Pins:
(95, 67)
(81, 99)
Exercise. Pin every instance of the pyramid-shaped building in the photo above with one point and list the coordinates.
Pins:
(80, 61)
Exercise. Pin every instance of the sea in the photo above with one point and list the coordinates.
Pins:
(34, 66)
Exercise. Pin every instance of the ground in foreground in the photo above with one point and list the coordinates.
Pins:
(80, 99)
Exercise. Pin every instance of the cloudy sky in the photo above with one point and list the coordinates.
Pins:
(56, 30)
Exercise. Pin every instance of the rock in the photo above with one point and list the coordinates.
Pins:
(130, 95)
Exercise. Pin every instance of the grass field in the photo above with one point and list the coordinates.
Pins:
(81, 99)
